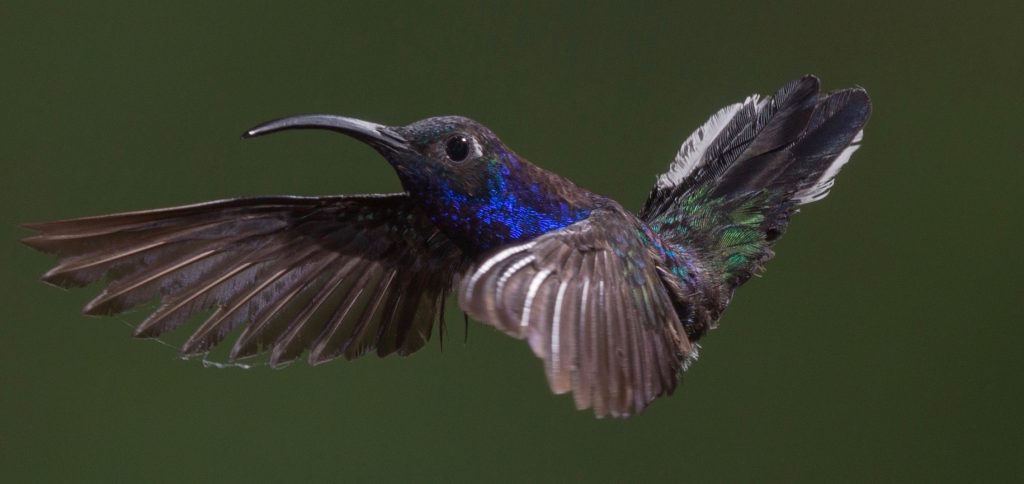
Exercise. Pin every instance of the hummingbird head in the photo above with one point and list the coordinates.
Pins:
(473, 187)
(446, 150)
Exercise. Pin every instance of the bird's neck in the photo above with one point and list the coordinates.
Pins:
(515, 201)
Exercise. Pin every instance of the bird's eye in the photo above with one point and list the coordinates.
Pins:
(457, 148)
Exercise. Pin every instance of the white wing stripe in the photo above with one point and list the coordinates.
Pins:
(493, 261)
(556, 327)
(511, 271)
(531, 293)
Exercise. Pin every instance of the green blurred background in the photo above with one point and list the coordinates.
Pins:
(884, 342)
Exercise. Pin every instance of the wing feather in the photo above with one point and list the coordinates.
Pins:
(298, 272)
(589, 301)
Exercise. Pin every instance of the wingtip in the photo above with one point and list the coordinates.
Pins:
(194, 347)
(36, 242)
(279, 359)
(143, 331)
(244, 347)
(108, 303)
(55, 277)
(318, 356)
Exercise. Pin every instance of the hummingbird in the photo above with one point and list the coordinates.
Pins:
(614, 303)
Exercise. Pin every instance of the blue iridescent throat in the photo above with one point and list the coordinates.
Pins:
(509, 211)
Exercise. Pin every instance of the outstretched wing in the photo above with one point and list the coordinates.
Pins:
(589, 300)
(339, 276)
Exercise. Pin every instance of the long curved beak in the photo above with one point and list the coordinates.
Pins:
(383, 138)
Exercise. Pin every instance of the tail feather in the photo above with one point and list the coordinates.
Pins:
(738, 179)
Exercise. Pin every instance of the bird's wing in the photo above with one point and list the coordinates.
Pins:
(339, 276)
(589, 300)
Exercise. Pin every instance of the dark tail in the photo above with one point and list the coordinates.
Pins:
(739, 178)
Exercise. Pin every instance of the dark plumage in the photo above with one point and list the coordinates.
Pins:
(613, 303)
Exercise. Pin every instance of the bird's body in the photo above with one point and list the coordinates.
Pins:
(611, 301)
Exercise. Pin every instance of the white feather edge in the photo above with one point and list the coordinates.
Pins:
(820, 188)
(691, 153)
(482, 270)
